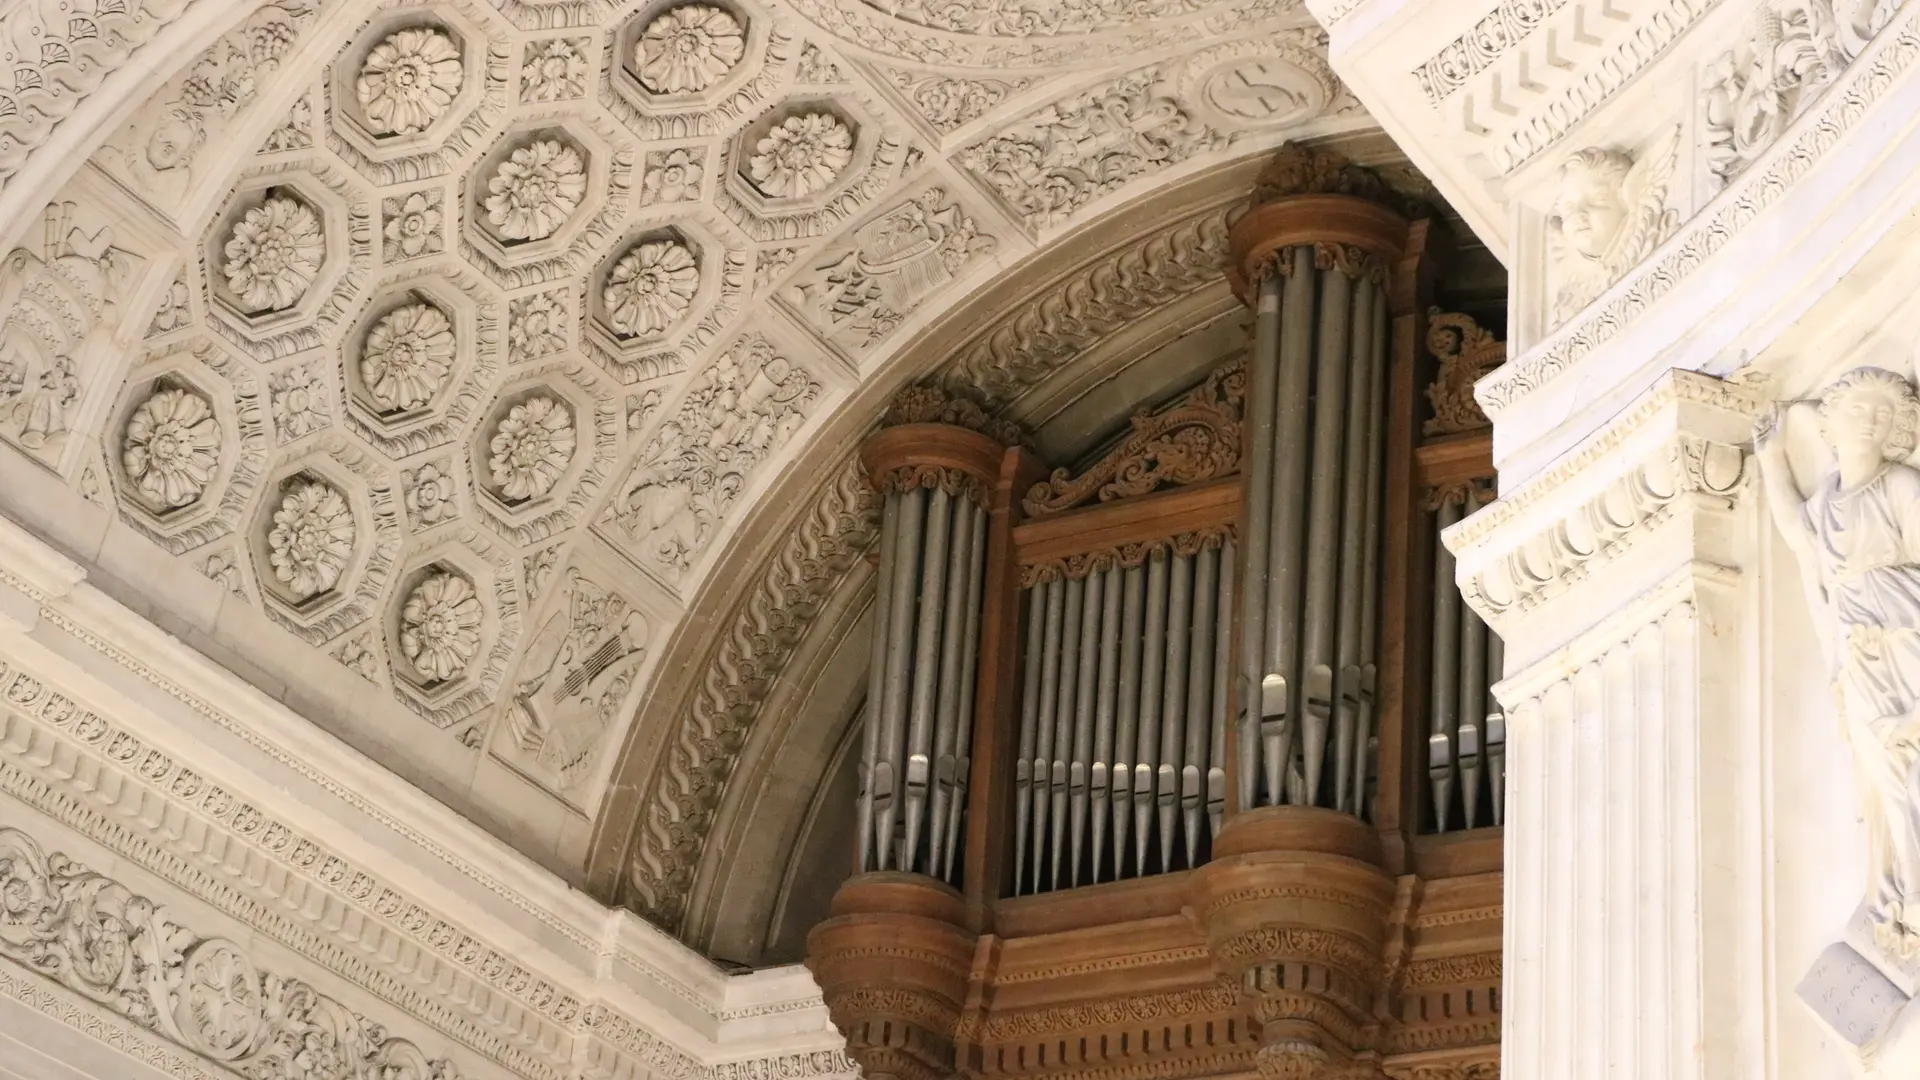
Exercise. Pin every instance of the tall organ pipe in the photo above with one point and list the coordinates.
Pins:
(1259, 504)
(1173, 700)
(926, 660)
(1063, 720)
(969, 668)
(1353, 552)
(1280, 695)
(1307, 624)
(1105, 716)
(1078, 795)
(1222, 691)
(1056, 593)
(1323, 529)
(876, 682)
(947, 698)
(1036, 642)
(931, 559)
(1446, 671)
(1147, 757)
(893, 707)
(1370, 543)
(1200, 685)
(1124, 746)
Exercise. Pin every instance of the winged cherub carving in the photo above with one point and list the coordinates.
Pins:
(1609, 212)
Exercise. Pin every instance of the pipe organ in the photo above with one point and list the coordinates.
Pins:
(1186, 762)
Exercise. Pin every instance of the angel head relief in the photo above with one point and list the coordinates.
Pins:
(1609, 211)
(1845, 497)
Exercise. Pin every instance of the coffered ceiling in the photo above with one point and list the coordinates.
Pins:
(427, 364)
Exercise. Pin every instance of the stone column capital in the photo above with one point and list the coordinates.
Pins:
(1648, 497)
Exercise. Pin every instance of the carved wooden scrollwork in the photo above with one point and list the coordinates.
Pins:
(1467, 351)
(1196, 439)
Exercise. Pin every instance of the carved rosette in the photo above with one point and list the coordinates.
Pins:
(1294, 906)
(892, 960)
(1314, 198)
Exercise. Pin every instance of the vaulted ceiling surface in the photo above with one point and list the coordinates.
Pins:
(423, 362)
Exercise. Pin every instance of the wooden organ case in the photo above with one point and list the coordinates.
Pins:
(1185, 764)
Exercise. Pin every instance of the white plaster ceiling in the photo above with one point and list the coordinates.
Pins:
(422, 361)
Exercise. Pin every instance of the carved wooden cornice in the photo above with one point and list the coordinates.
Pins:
(1196, 439)
(924, 454)
(1467, 352)
(1131, 554)
(933, 404)
(892, 961)
(1345, 212)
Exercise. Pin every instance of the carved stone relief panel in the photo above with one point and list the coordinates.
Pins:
(1610, 209)
(738, 412)
(861, 289)
(62, 307)
(575, 682)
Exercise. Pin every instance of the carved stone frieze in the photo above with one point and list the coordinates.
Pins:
(1793, 51)
(745, 407)
(861, 290)
(1089, 146)
(1696, 241)
(1194, 439)
(128, 954)
(1094, 300)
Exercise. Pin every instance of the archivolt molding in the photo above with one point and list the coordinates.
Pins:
(1772, 177)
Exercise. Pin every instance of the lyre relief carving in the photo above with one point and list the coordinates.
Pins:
(1467, 351)
(1197, 439)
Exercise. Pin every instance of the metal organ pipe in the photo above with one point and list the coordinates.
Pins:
(1353, 552)
(969, 668)
(893, 706)
(1446, 670)
(1466, 749)
(1363, 750)
(876, 683)
(1279, 682)
(919, 715)
(1307, 624)
(1262, 379)
(1104, 717)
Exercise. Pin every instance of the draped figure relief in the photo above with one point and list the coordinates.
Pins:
(1857, 537)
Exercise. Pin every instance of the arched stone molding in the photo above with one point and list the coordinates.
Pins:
(1057, 306)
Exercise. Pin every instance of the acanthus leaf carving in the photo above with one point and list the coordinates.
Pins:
(1466, 351)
